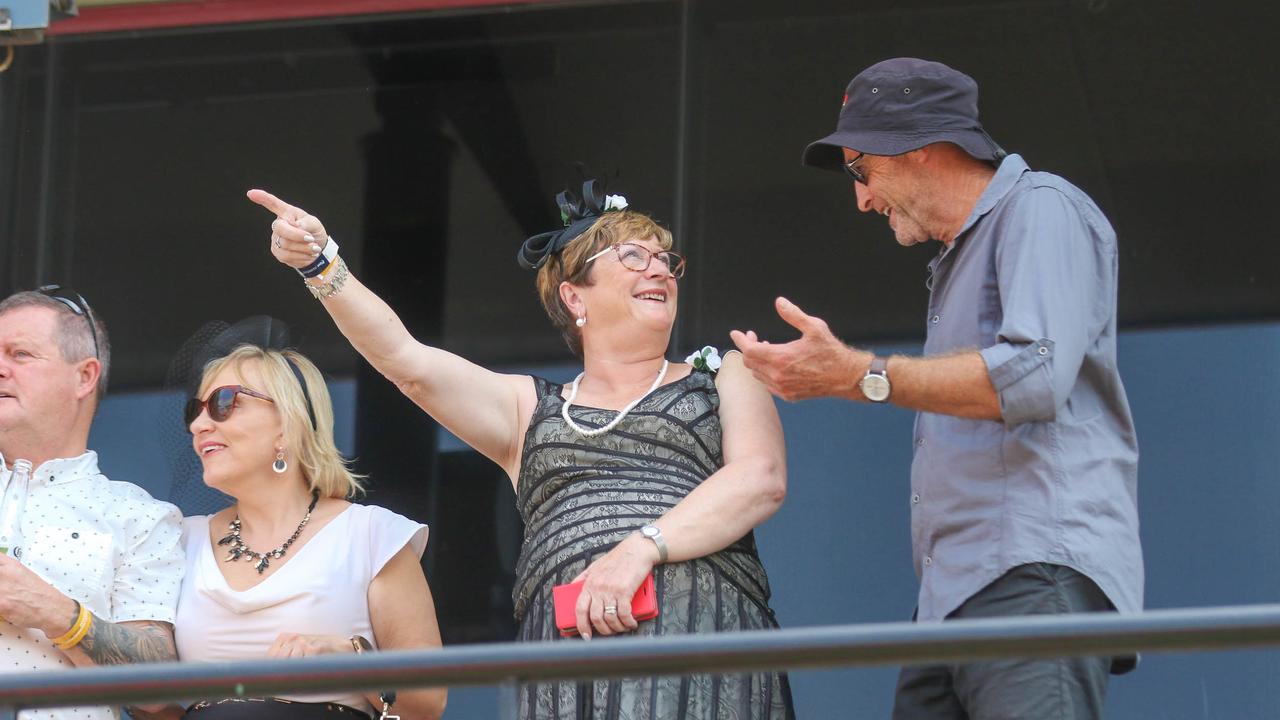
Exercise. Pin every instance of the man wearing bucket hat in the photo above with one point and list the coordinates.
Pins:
(1024, 478)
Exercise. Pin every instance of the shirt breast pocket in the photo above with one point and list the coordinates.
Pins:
(77, 561)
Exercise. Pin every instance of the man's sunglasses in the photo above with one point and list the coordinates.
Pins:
(854, 172)
(220, 403)
(77, 304)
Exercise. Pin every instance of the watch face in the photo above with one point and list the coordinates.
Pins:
(649, 531)
(875, 387)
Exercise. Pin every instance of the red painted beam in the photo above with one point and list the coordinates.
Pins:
(194, 13)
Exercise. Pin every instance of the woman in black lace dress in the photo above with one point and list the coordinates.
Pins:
(639, 467)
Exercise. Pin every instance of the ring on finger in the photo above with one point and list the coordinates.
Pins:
(610, 609)
(277, 239)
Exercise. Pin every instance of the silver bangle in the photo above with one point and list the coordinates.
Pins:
(333, 285)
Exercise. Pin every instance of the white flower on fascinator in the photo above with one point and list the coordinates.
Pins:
(614, 202)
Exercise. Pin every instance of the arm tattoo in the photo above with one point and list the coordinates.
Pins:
(119, 644)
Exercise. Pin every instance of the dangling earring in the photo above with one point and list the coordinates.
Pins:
(580, 321)
(279, 466)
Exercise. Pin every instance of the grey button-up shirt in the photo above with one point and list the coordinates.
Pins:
(1030, 281)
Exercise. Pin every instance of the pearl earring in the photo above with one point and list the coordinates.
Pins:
(279, 466)
(580, 321)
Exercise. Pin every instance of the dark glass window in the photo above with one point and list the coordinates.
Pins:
(432, 145)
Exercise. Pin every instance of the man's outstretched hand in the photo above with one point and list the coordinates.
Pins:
(815, 365)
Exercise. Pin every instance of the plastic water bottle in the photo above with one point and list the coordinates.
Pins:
(12, 505)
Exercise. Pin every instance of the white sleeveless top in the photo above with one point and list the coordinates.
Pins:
(323, 589)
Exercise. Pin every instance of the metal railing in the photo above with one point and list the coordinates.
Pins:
(1219, 628)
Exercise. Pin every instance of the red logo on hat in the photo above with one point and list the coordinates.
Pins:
(845, 101)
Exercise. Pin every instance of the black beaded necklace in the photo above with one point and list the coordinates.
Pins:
(238, 548)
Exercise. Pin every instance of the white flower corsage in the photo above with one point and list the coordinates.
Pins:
(614, 202)
(707, 359)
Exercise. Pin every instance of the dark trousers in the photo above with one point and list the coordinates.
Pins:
(1014, 689)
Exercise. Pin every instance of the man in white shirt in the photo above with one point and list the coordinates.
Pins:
(101, 561)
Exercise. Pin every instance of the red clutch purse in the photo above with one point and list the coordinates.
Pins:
(644, 606)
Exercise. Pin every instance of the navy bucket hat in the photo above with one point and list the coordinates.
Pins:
(903, 104)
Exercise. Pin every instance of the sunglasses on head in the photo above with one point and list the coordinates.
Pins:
(220, 403)
(76, 303)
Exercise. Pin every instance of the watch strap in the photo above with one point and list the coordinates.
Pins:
(653, 533)
(879, 366)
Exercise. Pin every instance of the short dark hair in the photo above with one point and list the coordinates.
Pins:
(75, 340)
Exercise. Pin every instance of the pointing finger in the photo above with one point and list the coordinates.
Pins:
(274, 204)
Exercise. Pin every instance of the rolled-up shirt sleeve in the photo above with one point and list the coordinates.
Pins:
(1054, 272)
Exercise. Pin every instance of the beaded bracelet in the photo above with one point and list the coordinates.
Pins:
(79, 628)
(331, 286)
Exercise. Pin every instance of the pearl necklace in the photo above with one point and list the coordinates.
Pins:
(573, 394)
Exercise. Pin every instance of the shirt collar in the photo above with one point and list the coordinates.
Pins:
(60, 470)
(1007, 174)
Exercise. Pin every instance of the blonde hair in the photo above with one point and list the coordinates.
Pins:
(323, 467)
(570, 264)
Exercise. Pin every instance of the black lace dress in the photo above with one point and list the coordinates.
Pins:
(580, 496)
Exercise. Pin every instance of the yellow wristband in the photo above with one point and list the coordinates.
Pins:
(325, 274)
(74, 624)
(80, 628)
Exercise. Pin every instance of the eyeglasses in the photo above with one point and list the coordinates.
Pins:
(77, 304)
(637, 258)
(857, 173)
(220, 403)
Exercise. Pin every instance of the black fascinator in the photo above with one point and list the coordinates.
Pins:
(214, 340)
(578, 212)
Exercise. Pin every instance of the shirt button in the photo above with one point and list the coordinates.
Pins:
(1043, 350)
(928, 560)
(935, 319)
(915, 498)
(920, 442)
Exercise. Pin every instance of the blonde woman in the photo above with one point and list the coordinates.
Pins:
(293, 568)
(642, 468)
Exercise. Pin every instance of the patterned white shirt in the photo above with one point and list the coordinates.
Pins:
(107, 544)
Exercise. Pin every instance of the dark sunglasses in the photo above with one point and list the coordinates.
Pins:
(220, 403)
(853, 171)
(77, 304)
